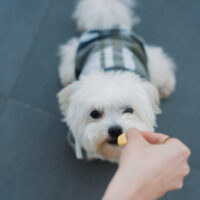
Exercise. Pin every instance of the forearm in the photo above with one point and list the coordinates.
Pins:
(122, 187)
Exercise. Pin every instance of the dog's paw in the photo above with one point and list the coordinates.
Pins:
(168, 87)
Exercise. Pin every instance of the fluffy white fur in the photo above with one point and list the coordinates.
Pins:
(67, 54)
(110, 93)
(104, 14)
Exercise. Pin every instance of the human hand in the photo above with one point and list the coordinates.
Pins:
(148, 168)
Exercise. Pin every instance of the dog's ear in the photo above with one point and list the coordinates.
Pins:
(64, 95)
(153, 96)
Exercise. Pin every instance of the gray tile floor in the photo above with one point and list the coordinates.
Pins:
(35, 160)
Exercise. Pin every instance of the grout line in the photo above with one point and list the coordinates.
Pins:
(22, 103)
(35, 38)
(35, 108)
(25, 104)
(30, 51)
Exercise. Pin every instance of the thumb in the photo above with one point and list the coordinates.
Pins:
(135, 137)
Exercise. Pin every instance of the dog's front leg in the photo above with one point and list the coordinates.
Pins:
(161, 69)
(67, 64)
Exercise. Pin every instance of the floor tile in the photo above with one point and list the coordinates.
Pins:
(39, 83)
(170, 24)
(190, 191)
(37, 163)
(19, 21)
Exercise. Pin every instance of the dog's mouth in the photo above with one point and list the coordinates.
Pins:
(112, 141)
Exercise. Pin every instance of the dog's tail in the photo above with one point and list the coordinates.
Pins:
(105, 14)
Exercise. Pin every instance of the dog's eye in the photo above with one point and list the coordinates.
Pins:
(96, 114)
(128, 110)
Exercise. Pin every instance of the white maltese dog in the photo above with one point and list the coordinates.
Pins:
(112, 80)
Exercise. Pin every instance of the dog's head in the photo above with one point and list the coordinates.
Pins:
(99, 107)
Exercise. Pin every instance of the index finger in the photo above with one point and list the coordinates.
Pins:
(154, 138)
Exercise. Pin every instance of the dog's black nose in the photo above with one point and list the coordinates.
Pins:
(115, 131)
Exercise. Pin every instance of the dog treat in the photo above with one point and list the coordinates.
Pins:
(122, 140)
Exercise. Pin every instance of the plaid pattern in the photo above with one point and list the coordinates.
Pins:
(108, 50)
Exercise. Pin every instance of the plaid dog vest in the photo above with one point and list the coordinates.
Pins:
(111, 50)
(108, 51)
